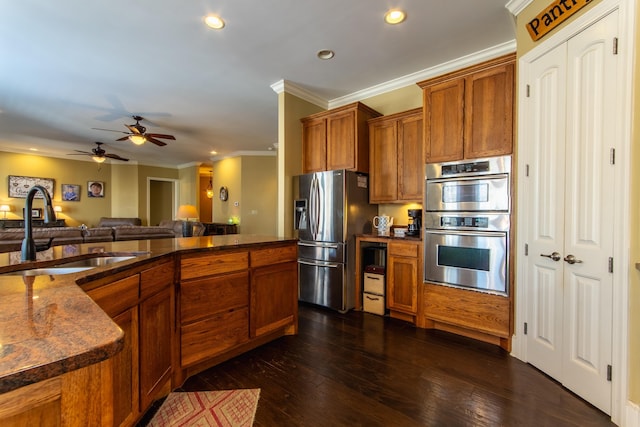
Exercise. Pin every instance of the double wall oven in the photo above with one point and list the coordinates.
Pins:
(466, 224)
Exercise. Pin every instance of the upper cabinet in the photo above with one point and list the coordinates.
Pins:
(337, 139)
(395, 157)
(469, 113)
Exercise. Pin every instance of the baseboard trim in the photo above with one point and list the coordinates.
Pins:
(632, 415)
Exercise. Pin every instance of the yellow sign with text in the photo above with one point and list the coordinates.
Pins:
(553, 15)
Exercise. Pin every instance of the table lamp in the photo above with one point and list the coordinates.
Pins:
(187, 212)
(4, 209)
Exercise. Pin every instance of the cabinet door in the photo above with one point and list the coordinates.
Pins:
(383, 176)
(410, 164)
(125, 371)
(274, 297)
(341, 141)
(444, 121)
(402, 277)
(489, 112)
(314, 145)
(156, 332)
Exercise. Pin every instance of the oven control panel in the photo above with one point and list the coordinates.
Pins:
(465, 221)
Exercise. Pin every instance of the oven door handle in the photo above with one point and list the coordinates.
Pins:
(466, 232)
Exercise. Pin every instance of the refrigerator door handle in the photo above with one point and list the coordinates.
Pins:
(319, 245)
(319, 264)
(314, 208)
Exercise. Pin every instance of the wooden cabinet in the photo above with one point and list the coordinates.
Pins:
(469, 113)
(395, 158)
(119, 299)
(337, 139)
(142, 304)
(274, 290)
(214, 299)
(403, 261)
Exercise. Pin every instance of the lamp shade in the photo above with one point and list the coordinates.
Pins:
(4, 209)
(187, 212)
(57, 208)
(137, 139)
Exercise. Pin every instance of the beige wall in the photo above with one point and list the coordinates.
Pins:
(525, 44)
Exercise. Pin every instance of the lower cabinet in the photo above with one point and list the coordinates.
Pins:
(142, 304)
(403, 261)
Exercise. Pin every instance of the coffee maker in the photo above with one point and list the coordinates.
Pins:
(415, 224)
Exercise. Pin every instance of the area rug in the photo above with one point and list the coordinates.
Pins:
(228, 408)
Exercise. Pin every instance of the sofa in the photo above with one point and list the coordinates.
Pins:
(108, 230)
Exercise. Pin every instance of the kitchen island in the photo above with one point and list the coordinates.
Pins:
(95, 324)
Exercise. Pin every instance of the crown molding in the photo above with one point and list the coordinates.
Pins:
(246, 153)
(517, 6)
(293, 89)
(438, 70)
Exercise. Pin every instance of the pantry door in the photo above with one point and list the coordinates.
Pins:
(571, 191)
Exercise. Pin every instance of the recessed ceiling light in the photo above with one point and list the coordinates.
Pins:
(325, 54)
(394, 16)
(33, 149)
(213, 153)
(214, 21)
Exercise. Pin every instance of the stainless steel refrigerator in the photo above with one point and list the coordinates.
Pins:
(330, 209)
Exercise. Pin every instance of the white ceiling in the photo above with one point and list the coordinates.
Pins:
(68, 66)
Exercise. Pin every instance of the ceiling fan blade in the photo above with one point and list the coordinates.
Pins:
(116, 157)
(160, 135)
(81, 152)
(155, 141)
(123, 138)
(110, 130)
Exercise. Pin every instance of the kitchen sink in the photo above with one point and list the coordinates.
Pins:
(71, 266)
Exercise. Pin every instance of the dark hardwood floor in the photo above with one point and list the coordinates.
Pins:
(360, 369)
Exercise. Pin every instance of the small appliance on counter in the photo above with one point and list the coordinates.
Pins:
(415, 222)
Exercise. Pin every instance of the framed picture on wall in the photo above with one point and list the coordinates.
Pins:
(19, 186)
(95, 189)
(70, 192)
(36, 213)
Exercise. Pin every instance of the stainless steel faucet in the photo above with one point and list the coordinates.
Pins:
(28, 244)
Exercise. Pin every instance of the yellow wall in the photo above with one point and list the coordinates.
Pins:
(525, 44)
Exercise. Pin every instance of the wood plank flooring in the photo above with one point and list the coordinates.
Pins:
(359, 369)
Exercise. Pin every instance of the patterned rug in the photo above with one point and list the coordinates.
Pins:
(228, 408)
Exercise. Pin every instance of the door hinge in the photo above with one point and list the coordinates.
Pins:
(612, 156)
(609, 369)
(525, 328)
(528, 91)
(526, 170)
(526, 249)
(615, 45)
(610, 264)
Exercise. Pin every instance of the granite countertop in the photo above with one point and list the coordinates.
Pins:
(48, 324)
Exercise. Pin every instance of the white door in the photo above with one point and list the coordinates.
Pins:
(571, 192)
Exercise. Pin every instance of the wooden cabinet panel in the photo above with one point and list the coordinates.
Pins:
(489, 112)
(469, 113)
(274, 297)
(444, 121)
(402, 277)
(156, 278)
(126, 408)
(272, 255)
(476, 311)
(337, 139)
(213, 335)
(203, 297)
(383, 161)
(156, 333)
(410, 163)
(118, 296)
(397, 171)
(192, 267)
(314, 145)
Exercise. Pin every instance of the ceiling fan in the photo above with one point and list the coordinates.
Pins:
(138, 134)
(98, 154)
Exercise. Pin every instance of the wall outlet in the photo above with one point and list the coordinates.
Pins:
(236, 204)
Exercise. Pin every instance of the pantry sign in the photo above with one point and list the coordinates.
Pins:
(552, 16)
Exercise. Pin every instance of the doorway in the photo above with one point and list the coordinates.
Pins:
(162, 200)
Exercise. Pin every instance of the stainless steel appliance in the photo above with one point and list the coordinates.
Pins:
(330, 209)
(467, 223)
(415, 226)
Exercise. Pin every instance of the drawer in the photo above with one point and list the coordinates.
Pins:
(118, 296)
(373, 303)
(275, 255)
(204, 297)
(403, 249)
(374, 283)
(192, 267)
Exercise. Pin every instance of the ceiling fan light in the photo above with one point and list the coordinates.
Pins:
(214, 21)
(99, 159)
(394, 16)
(137, 139)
